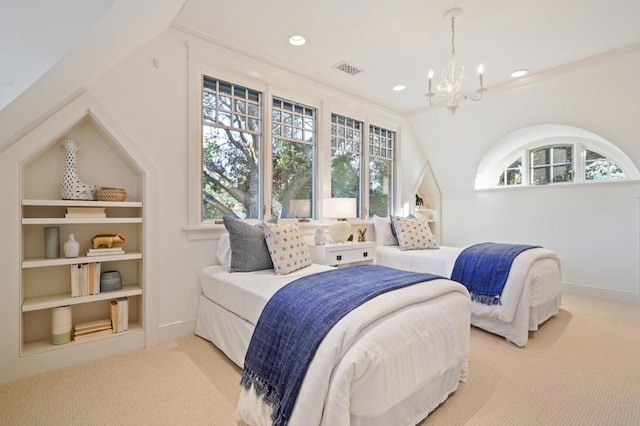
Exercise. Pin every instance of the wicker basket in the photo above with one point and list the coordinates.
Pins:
(112, 194)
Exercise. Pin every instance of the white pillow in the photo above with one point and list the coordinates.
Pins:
(414, 233)
(223, 253)
(382, 227)
(287, 247)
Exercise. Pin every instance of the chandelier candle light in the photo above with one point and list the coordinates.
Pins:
(450, 89)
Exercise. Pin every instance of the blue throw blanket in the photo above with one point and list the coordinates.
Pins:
(296, 319)
(484, 268)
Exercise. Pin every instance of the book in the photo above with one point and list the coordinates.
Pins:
(105, 251)
(100, 324)
(120, 314)
(92, 211)
(93, 335)
(85, 279)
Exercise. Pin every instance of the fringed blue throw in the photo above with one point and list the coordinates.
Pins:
(484, 268)
(296, 319)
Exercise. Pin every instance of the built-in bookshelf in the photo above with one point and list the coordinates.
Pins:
(46, 283)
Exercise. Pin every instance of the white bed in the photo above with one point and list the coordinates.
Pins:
(390, 361)
(531, 294)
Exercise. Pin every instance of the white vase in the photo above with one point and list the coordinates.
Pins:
(319, 238)
(71, 247)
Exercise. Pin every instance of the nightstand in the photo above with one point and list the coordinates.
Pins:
(343, 254)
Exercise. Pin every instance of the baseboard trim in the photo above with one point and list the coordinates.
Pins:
(176, 330)
(600, 293)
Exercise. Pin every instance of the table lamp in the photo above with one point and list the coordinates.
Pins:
(341, 209)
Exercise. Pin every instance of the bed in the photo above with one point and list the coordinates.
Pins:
(531, 293)
(392, 360)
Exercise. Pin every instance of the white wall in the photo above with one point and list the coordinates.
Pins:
(150, 105)
(593, 227)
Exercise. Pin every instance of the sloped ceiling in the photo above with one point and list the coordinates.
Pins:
(34, 35)
(397, 42)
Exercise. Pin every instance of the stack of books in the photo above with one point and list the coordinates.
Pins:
(120, 314)
(85, 279)
(80, 212)
(105, 251)
(92, 329)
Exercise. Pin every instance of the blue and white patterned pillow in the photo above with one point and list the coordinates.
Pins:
(287, 247)
(413, 233)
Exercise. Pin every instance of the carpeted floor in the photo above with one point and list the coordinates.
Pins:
(580, 368)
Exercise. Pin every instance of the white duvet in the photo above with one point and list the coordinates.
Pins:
(380, 362)
(531, 293)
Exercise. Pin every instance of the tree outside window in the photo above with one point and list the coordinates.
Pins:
(381, 152)
(346, 157)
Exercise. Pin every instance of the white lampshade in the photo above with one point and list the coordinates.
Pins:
(300, 208)
(339, 208)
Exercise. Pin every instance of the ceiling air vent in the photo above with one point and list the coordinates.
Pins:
(347, 68)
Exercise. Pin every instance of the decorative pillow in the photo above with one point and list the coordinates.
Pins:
(414, 233)
(223, 253)
(383, 229)
(287, 247)
(393, 228)
(249, 251)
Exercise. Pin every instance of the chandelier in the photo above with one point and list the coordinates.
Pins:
(450, 89)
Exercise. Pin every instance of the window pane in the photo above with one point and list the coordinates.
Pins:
(514, 177)
(379, 187)
(292, 179)
(230, 158)
(540, 175)
(346, 158)
(540, 157)
(562, 173)
(293, 160)
(599, 167)
(591, 155)
(562, 155)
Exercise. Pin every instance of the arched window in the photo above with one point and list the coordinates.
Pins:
(552, 154)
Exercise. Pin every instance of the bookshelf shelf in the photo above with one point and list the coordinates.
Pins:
(78, 221)
(56, 300)
(44, 345)
(40, 262)
(78, 203)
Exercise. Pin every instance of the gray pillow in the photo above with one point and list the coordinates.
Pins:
(249, 251)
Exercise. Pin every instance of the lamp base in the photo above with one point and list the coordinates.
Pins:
(339, 231)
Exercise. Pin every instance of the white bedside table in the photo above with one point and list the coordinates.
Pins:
(337, 254)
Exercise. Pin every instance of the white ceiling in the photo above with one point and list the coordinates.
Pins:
(394, 42)
(397, 42)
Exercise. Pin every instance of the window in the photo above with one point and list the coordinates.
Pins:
(512, 175)
(552, 165)
(293, 159)
(381, 159)
(346, 158)
(552, 154)
(599, 167)
(231, 139)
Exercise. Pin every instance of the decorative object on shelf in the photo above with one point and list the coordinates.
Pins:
(71, 188)
(419, 201)
(106, 240)
(111, 194)
(71, 247)
(341, 209)
(450, 89)
(51, 242)
(110, 281)
(361, 235)
(61, 325)
(318, 238)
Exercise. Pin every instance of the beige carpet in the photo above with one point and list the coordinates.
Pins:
(581, 368)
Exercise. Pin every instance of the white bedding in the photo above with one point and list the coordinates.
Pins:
(390, 361)
(531, 294)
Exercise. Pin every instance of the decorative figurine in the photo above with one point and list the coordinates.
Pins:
(71, 188)
(106, 240)
(319, 238)
(361, 232)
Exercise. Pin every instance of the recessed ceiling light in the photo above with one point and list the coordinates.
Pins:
(399, 87)
(297, 40)
(519, 73)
